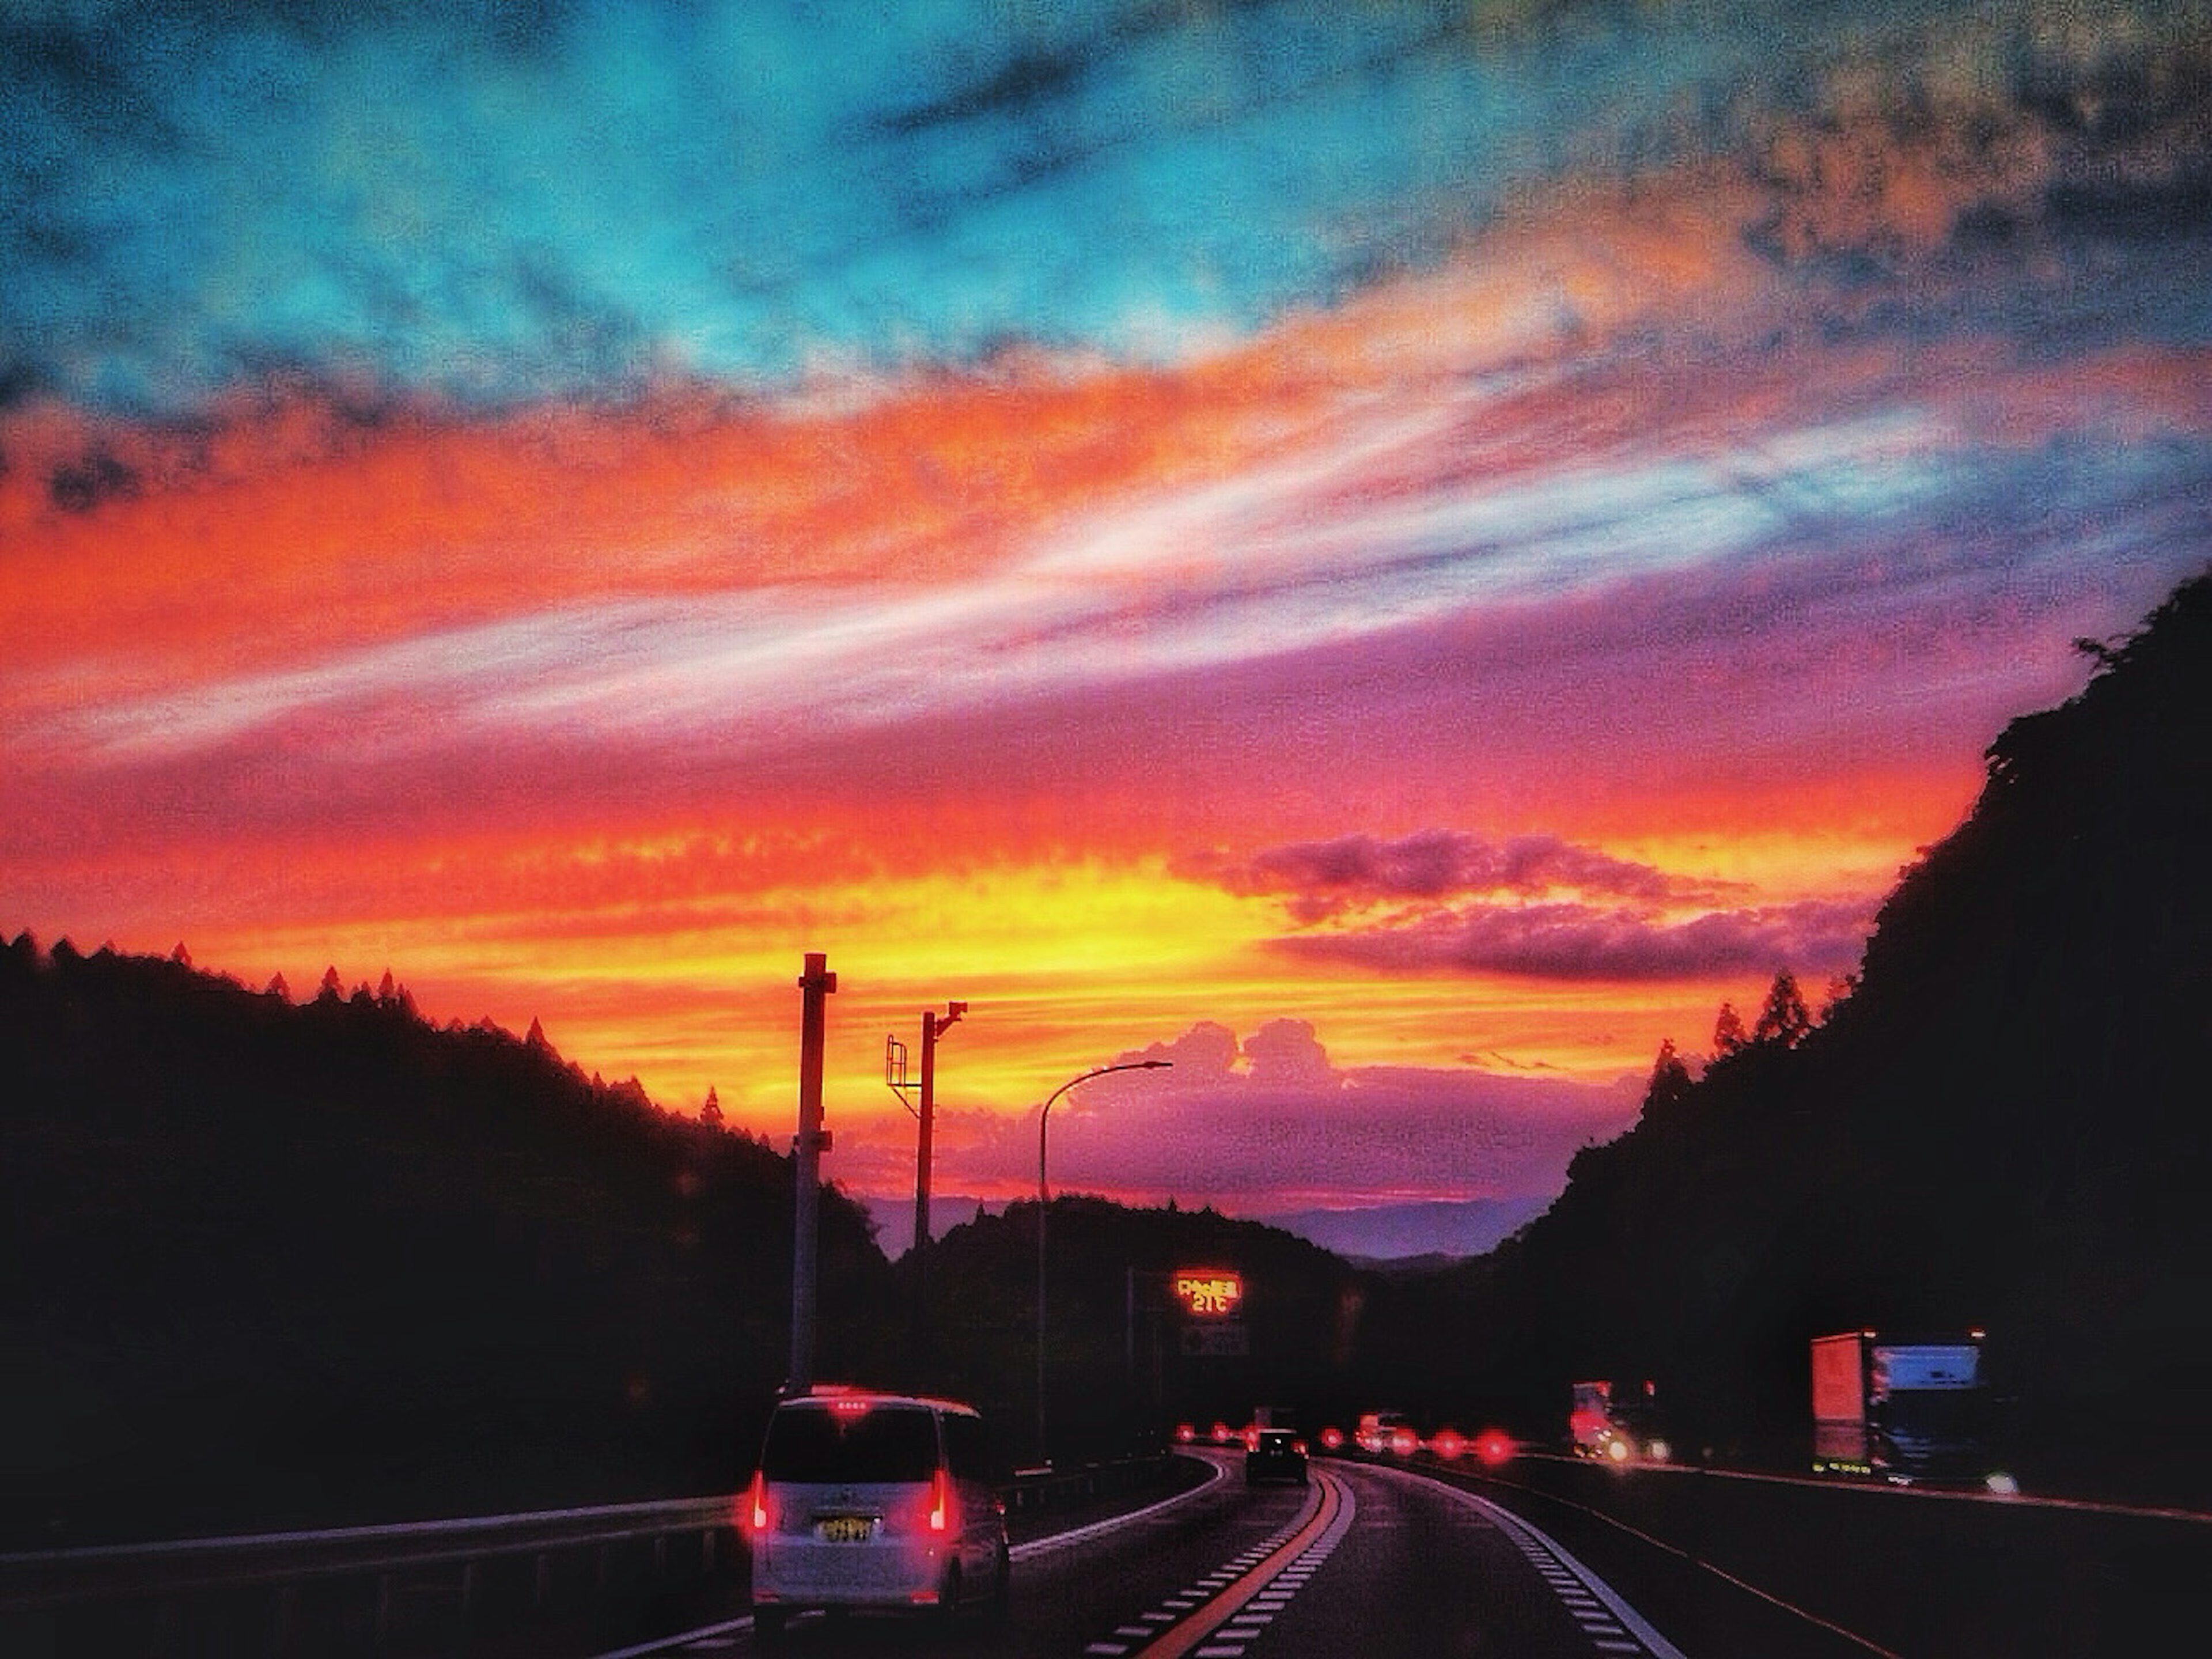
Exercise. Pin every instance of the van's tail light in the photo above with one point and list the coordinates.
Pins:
(757, 1504)
(940, 1501)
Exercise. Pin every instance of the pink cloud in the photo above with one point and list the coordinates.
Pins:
(1269, 1121)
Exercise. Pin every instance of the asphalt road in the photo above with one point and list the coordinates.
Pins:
(1549, 1556)
(1364, 1561)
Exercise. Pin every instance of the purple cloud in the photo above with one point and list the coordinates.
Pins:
(1322, 879)
(1567, 941)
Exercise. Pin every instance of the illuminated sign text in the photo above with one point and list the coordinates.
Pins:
(1209, 1292)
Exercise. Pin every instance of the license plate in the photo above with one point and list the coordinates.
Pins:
(845, 1529)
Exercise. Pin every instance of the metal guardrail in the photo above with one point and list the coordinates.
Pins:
(693, 1537)
(47, 1579)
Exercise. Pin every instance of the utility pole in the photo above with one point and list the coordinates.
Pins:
(817, 982)
(932, 1028)
(933, 1025)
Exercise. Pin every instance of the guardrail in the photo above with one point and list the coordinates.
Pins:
(352, 1588)
(426, 1586)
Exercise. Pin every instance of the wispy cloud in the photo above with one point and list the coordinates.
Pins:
(505, 203)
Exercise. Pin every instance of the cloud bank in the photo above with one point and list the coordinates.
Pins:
(1423, 902)
(1270, 1123)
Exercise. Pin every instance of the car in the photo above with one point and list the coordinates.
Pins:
(1386, 1431)
(872, 1501)
(1275, 1454)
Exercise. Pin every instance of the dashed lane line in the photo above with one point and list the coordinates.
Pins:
(1230, 1607)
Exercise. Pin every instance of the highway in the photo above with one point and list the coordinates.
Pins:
(1549, 1558)
(1540, 1556)
(1362, 1560)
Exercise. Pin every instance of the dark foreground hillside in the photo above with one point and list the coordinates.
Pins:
(276, 1265)
(2008, 1124)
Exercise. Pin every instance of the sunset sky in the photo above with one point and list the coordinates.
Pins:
(1393, 554)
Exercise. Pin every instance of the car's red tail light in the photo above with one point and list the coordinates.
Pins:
(940, 1501)
(755, 1507)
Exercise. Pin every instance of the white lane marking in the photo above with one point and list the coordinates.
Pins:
(1058, 1541)
(1537, 1545)
(1229, 1639)
(1720, 1572)
(1246, 1625)
(1545, 1552)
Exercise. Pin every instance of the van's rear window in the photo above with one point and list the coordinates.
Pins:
(815, 1445)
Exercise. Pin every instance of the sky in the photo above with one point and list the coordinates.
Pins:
(1392, 555)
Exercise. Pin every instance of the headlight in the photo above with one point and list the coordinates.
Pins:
(1617, 1449)
(1658, 1452)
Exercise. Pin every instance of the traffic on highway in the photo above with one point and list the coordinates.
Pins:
(1388, 1541)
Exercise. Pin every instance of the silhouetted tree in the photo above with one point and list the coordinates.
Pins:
(1671, 1083)
(1728, 1032)
(1839, 991)
(711, 1113)
(1784, 1019)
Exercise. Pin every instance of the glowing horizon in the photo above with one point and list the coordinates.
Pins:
(1412, 584)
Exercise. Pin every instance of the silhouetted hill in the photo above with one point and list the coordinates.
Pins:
(2007, 1124)
(274, 1264)
(1117, 1371)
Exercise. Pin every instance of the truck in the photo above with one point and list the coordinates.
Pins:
(1617, 1424)
(1386, 1431)
(1900, 1408)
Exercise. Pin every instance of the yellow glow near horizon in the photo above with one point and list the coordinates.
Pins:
(1064, 965)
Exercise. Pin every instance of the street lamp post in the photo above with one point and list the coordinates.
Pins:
(1044, 1197)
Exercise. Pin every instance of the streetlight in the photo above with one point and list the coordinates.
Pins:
(1044, 1197)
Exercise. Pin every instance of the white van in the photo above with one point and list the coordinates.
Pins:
(866, 1500)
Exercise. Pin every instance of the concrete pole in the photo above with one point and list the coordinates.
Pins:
(818, 983)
